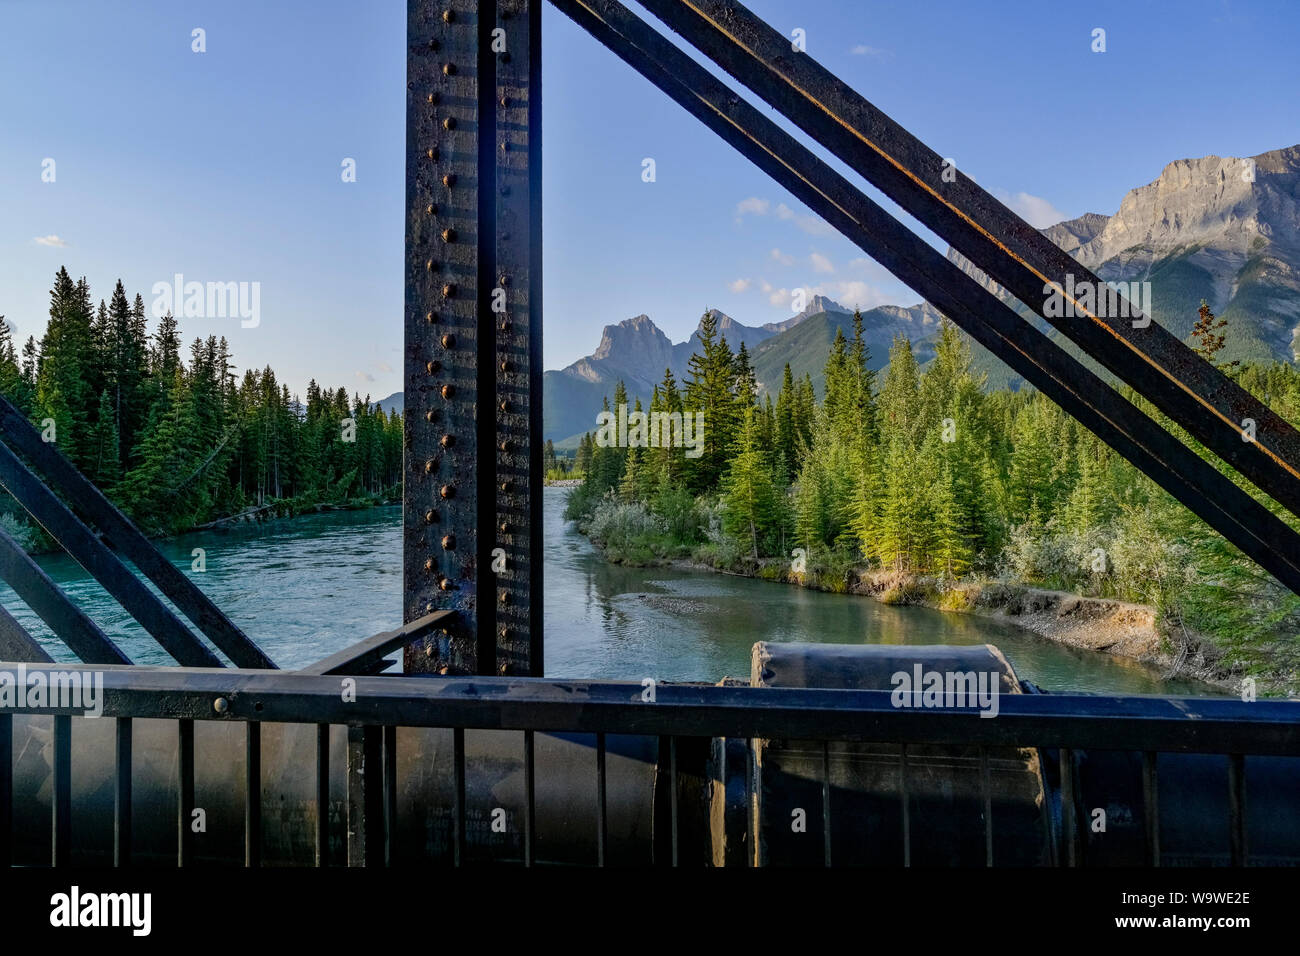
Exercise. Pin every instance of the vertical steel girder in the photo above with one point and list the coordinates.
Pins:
(472, 497)
(1212, 407)
(1195, 482)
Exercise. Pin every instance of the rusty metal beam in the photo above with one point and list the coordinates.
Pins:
(102, 564)
(82, 635)
(1212, 407)
(1098, 407)
(473, 334)
(126, 538)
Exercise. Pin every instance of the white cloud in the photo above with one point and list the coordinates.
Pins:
(872, 52)
(764, 286)
(363, 376)
(740, 285)
(778, 256)
(820, 263)
(779, 297)
(54, 241)
(1035, 210)
(813, 225)
(753, 206)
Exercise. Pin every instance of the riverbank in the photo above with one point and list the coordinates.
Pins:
(1133, 631)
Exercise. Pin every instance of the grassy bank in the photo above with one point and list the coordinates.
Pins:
(1086, 610)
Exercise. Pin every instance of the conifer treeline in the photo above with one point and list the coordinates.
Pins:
(177, 442)
(921, 472)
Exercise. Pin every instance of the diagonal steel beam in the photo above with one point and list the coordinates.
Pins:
(127, 539)
(1097, 406)
(1212, 407)
(104, 566)
(16, 644)
(69, 622)
(365, 656)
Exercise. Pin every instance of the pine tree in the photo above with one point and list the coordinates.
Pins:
(748, 498)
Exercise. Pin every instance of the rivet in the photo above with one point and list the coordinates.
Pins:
(505, 325)
(448, 390)
(505, 147)
(430, 317)
(428, 650)
(221, 705)
(505, 445)
(449, 180)
(432, 153)
(504, 280)
(505, 405)
(449, 123)
(446, 441)
(506, 486)
(429, 467)
(505, 635)
(505, 365)
(428, 564)
(430, 209)
(449, 341)
(429, 416)
(504, 597)
(447, 491)
(449, 235)
(429, 516)
(446, 584)
(433, 97)
(429, 265)
(504, 527)
(449, 290)
(448, 542)
(449, 69)
(434, 367)
(505, 101)
(433, 44)
(448, 16)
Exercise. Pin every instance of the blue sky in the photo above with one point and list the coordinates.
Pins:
(225, 165)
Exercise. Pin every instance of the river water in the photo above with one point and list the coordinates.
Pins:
(305, 587)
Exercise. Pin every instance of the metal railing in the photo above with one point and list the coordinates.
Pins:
(381, 704)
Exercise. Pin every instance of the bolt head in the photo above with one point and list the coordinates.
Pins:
(448, 390)
(449, 123)
(449, 290)
(449, 69)
(448, 341)
(449, 180)
(449, 235)
(221, 705)
(446, 441)
(447, 491)
(448, 542)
